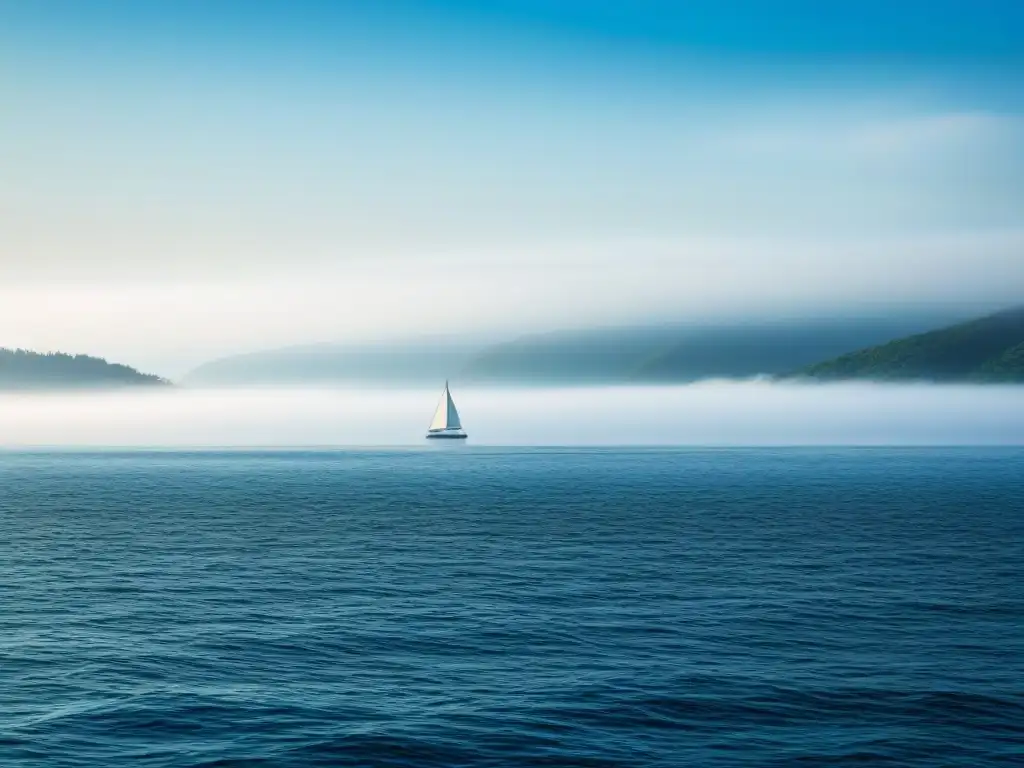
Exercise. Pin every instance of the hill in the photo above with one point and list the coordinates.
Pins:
(638, 354)
(598, 355)
(410, 362)
(24, 370)
(769, 347)
(986, 350)
(681, 352)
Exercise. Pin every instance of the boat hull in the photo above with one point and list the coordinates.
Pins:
(446, 435)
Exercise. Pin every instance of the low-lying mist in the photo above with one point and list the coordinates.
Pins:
(707, 413)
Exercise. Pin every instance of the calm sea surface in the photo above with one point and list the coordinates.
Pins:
(489, 607)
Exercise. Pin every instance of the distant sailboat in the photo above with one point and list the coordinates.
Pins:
(446, 421)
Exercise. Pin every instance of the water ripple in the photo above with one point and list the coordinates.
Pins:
(513, 607)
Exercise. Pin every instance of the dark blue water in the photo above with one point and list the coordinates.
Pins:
(480, 607)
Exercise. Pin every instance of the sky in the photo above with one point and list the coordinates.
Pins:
(184, 180)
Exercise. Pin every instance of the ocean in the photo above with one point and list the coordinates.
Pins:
(475, 606)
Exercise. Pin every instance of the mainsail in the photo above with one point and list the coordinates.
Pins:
(445, 417)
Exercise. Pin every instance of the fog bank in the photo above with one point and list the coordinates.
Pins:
(713, 413)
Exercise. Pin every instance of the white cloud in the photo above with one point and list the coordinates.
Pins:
(834, 135)
(933, 133)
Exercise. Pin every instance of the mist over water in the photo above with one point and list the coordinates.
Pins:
(703, 414)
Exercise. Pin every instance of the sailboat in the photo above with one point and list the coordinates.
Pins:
(446, 419)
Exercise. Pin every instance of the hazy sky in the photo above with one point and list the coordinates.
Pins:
(186, 179)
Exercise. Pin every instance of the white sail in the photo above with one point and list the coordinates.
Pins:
(440, 420)
(446, 417)
(453, 415)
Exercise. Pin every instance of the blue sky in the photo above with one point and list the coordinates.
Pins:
(926, 33)
(287, 172)
(942, 29)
